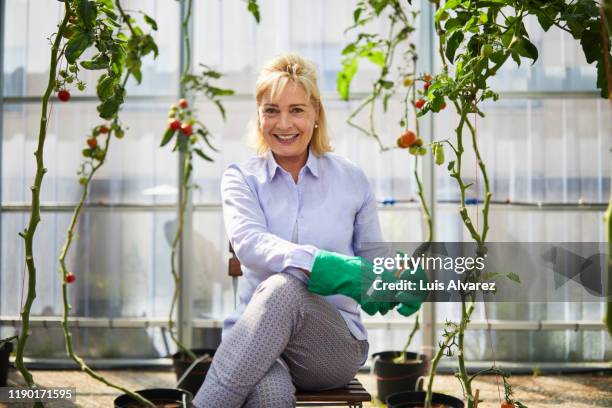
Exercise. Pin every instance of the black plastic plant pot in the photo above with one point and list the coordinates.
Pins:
(392, 378)
(5, 351)
(161, 397)
(413, 399)
(195, 378)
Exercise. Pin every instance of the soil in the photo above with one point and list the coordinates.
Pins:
(397, 360)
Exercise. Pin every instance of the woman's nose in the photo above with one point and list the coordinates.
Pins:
(284, 122)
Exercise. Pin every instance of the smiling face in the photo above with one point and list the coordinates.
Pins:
(287, 123)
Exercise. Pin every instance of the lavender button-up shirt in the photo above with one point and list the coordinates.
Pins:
(276, 225)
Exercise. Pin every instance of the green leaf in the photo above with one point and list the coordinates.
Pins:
(450, 166)
(200, 153)
(489, 276)
(452, 44)
(137, 74)
(513, 277)
(544, 19)
(452, 25)
(204, 135)
(491, 3)
(516, 57)
(86, 11)
(109, 107)
(345, 76)
(220, 107)
(525, 48)
(377, 57)
(148, 45)
(497, 56)
(591, 45)
(253, 8)
(77, 44)
(356, 14)
(150, 22)
(99, 61)
(167, 137)
(219, 91)
(450, 4)
(104, 88)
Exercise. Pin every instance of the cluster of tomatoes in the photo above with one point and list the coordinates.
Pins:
(93, 149)
(409, 140)
(179, 113)
(66, 77)
(419, 103)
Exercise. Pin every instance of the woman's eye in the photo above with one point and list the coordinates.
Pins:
(269, 110)
(297, 110)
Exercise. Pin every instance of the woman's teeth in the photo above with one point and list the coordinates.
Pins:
(286, 137)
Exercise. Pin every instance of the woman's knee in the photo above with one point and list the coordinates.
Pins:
(281, 287)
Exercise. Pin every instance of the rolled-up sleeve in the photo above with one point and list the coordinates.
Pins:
(245, 223)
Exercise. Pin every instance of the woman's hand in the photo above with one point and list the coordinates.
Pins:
(334, 273)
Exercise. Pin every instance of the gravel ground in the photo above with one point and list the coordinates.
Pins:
(572, 391)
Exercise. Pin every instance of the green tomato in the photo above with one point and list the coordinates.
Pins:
(422, 151)
(486, 50)
(83, 181)
(414, 150)
(439, 153)
(119, 133)
(86, 152)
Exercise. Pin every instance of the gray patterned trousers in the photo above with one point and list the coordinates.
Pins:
(286, 338)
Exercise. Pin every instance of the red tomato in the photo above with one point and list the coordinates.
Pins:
(70, 277)
(63, 95)
(174, 124)
(186, 129)
(427, 78)
(92, 142)
(419, 104)
(103, 129)
(406, 139)
(183, 103)
(507, 405)
(426, 86)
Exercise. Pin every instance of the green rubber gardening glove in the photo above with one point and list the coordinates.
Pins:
(410, 301)
(334, 273)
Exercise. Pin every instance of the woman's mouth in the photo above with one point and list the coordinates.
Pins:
(287, 138)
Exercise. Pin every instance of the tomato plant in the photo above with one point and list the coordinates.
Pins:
(191, 136)
(477, 38)
(101, 25)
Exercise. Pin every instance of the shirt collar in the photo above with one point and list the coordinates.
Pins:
(312, 164)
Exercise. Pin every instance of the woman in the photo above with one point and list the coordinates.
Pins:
(295, 215)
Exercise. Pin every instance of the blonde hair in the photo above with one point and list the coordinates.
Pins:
(274, 76)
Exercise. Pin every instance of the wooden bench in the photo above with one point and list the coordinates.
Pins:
(353, 395)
